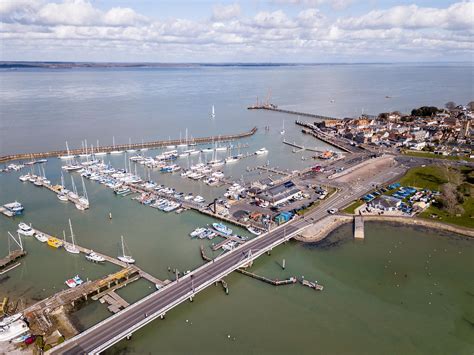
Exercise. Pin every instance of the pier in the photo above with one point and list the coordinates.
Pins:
(112, 260)
(227, 239)
(11, 258)
(108, 149)
(359, 227)
(272, 107)
(301, 148)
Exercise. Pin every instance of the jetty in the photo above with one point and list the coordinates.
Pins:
(108, 149)
(301, 148)
(288, 281)
(272, 107)
(11, 258)
(359, 227)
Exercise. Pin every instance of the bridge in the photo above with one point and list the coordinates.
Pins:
(121, 325)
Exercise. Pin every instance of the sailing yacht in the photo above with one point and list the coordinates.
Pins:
(130, 149)
(83, 201)
(99, 153)
(213, 113)
(125, 258)
(282, 132)
(68, 156)
(71, 248)
(115, 151)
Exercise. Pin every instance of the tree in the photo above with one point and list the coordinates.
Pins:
(449, 197)
(450, 105)
(425, 111)
(470, 105)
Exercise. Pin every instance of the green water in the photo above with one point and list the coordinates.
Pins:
(401, 290)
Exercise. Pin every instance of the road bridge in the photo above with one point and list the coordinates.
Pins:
(121, 325)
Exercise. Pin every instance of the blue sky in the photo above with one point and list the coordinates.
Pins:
(237, 31)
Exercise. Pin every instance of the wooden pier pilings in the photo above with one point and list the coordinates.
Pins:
(107, 149)
(290, 112)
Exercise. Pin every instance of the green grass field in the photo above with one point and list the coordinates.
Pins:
(428, 177)
(351, 208)
(432, 155)
(432, 177)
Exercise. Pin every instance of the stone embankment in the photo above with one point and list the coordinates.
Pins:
(321, 229)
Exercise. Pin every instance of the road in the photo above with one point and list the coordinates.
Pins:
(117, 327)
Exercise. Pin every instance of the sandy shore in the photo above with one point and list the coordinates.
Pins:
(321, 229)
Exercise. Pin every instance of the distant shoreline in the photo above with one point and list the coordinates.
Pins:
(131, 65)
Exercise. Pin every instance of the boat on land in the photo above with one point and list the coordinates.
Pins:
(55, 242)
(25, 229)
(124, 257)
(94, 257)
(71, 248)
(222, 228)
(41, 237)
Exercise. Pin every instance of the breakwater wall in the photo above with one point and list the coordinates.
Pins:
(107, 149)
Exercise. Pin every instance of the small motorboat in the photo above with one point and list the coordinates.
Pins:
(78, 280)
(222, 228)
(41, 237)
(25, 229)
(94, 257)
(70, 283)
(254, 230)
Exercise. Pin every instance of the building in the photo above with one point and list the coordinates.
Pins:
(279, 194)
(386, 203)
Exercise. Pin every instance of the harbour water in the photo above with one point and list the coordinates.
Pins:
(401, 288)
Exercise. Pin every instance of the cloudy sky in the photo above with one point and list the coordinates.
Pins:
(237, 31)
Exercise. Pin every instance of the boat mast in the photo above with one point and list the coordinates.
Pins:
(72, 234)
(84, 189)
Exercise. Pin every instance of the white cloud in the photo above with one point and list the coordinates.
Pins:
(457, 17)
(225, 12)
(335, 4)
(77, 28)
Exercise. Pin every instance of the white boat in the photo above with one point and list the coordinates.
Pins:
(71, 248)
(254, 230)
(13, 330)
(216, 163)
(199, 199)
(222, 228)
(261, 151)
(7, 320)
(213, 112)
(25, 229)
(14, 207)
(62, 197)
(94, 257)
(24, 178)
(68, 156)
(41, 237)
(115, 151)
(197, 232)
(232, 159)
(70, 283)
(125, 258)
(282, 132)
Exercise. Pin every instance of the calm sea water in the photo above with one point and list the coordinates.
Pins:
(400, 291)
(41, 109)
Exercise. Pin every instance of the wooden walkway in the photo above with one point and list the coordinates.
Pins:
(271, 107)
(11, 258)
(107, 149)
(115, 261)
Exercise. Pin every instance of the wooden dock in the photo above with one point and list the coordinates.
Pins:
(115, 261)
(301, 148)
(226, 240)
(11, 258)
(273, 170)
(108, 149)
(6, 212)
